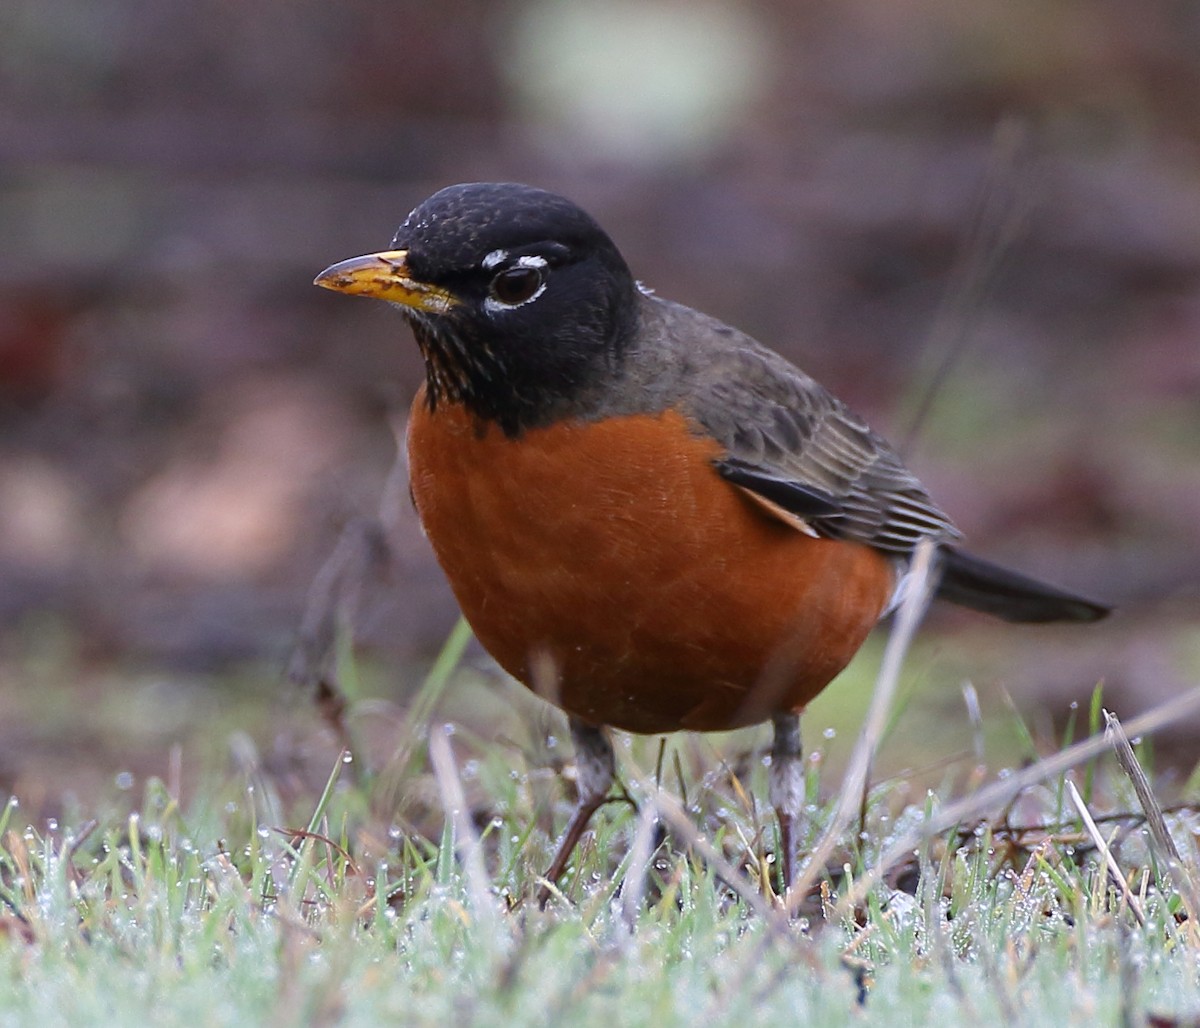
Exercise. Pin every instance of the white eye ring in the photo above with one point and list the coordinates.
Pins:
(496, 302)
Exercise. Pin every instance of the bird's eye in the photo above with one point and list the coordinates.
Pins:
(516, 285)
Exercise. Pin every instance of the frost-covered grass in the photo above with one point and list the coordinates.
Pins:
(213, 917)
(404, 894)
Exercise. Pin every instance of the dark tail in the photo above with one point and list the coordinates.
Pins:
(991, 589)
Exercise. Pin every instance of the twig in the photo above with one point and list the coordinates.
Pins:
(1001, 212)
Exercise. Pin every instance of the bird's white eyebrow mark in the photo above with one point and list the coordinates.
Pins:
(529, 260)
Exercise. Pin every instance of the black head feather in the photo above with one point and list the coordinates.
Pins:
(544, 300)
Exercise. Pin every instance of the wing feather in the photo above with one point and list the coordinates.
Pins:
(780, 429)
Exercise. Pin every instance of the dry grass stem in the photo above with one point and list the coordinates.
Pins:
(681, 823)
(467, 843)
(1160, 837)
(640, 854)
(1003, 791)
(1110, 862)
(912, 609)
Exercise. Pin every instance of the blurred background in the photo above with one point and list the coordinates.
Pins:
(978, 222)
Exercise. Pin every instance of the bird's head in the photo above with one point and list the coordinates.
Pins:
(516, 297)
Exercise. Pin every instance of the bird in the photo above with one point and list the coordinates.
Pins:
(646, 516)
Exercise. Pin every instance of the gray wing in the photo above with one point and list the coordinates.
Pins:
(796, 446)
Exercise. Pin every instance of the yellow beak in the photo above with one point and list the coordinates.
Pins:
(385, 276)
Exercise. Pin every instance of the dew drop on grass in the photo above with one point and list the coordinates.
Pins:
(52, 824)
(394, 832)
(830, 733)
(347, 757)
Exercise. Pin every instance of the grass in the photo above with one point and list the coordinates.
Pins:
(400, 893)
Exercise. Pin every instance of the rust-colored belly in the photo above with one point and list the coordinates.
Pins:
(607, 565)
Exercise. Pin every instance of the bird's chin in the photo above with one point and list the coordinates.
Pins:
(454, 371)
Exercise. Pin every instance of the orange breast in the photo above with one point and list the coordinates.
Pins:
(608, 566)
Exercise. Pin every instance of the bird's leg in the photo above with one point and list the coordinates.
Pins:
(785, 787)
(594, 777)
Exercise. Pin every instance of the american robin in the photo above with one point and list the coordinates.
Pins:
(646, 515)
